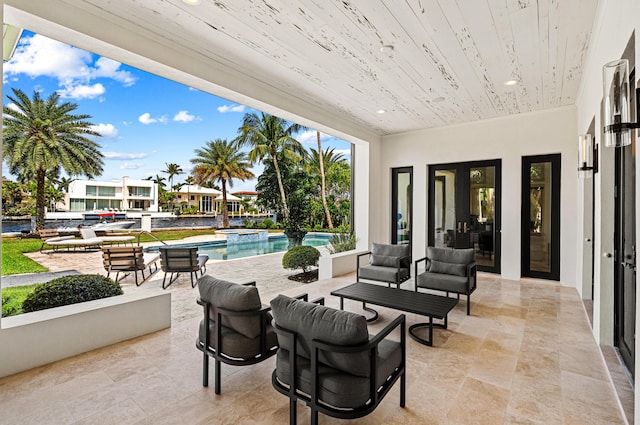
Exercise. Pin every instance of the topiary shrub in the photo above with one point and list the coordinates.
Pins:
(301, 257)
(70, 290)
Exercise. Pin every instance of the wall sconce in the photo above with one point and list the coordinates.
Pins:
(617, 109)
(587, 156)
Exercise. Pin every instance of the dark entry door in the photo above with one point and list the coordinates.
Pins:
(541, 216)
(625, 251)
(464, 209)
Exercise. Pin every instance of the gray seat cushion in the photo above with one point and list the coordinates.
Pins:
(234, 344)
(312, 321)
(383, 274)
(234, 297)
(336, 388)
(442, 282)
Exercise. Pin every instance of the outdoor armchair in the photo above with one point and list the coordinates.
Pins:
(175, 260)
(128, 259)
(328, 360)
(387, 263)
(236, 328)
(449, 270)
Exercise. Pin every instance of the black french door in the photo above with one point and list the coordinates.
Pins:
(624, 238)
(541, 216)
(464, 209)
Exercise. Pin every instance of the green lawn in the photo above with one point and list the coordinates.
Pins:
(13, 260)
(12, 299)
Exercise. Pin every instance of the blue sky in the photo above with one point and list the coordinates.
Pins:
(145, 120)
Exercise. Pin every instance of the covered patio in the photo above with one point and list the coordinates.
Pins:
(404, 98)
(525, 356)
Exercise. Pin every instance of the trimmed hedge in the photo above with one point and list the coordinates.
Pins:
(301, 257)
(70, 290)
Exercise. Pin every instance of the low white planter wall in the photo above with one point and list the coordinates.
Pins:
(34, 339)
(337, 264)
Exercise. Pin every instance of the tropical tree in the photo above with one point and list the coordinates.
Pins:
(269, 137)
(63, 184)
(43, 135)
(157, 179)
(172, 170)
(221, 161)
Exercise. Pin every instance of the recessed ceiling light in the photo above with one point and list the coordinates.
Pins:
(437, 99)
(381, 111)
(387, 48)
(192, 2)
(512, 82)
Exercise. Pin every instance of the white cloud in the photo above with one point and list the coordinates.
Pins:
(130, 166)
(121, 155)
(230, 108)
(310, 136)
(13, 106)
(82, 91)
(146, 119)
(108, 131)
(73, 68)
(184, 116)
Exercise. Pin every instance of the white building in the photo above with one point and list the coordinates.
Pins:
(126, 194)
(206, 200)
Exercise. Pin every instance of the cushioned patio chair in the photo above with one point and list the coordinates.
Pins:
(129, 259)
(387, 263)
(175, 260)
(328, 360)
(449, 270)
(236, 328)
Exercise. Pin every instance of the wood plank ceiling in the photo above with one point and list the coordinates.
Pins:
(449, 63)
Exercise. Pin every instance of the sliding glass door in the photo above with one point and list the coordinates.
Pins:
(464, 209)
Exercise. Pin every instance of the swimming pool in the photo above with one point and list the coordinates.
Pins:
(219, 250)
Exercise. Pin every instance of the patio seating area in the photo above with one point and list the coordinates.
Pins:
(525, 355)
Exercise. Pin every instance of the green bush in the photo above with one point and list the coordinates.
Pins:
(250, 224)
(301, 257)
(341, 242)
(268, 223)
(70, 290)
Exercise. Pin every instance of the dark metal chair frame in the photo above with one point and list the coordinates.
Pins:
(398, 280)
(220, 357)
(168, 255)
(472, 275)
(126, 259)
(375, 394)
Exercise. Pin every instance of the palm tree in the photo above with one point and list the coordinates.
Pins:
(323, 185)
(172, 170)
(42, 135)
(222, 161)
(159, 180)
(189, 181)
(270, 136)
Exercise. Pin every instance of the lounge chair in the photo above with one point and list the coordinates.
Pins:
(88, 233)
(51, 235)
(178, 259)
(387, 263)
(129, 259)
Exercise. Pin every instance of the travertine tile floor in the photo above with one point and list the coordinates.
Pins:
(524, 356)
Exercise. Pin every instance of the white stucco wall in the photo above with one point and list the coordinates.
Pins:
(508, 139)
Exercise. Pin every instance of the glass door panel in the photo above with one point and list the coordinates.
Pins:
(541, 217)
(445, 208)
(401, 211)
(482, 213)
(464, 209)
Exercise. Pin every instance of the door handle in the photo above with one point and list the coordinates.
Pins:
(466, 227)
(459, 227)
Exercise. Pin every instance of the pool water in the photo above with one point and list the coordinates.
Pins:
(219, 250)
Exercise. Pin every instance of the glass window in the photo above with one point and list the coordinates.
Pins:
(92, 191)
(106, 191)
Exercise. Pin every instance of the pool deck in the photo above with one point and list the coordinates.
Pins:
(266, 270)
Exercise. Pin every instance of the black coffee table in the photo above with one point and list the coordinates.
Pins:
(432, 306)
